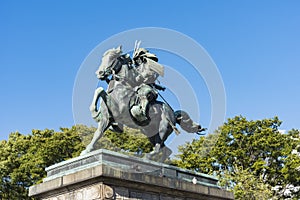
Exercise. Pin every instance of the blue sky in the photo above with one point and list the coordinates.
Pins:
(255, 45)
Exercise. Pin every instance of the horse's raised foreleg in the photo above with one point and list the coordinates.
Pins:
(99, 92)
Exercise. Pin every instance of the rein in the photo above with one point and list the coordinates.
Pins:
(116, 67)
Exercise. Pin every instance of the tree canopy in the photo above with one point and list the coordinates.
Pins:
(23, 158)
(251, 158)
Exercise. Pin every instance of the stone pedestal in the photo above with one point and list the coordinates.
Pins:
(104, 174)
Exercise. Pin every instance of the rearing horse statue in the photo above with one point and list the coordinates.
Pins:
(117, 100)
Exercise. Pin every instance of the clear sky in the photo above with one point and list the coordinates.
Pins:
(255, 45)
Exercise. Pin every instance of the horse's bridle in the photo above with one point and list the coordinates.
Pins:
(116, 66)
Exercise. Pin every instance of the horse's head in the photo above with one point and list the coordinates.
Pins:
(107, 63)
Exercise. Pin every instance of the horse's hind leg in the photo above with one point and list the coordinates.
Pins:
(156, 141)
(166, 152)
(165, 130)
(159, 146)
(159, 139)
(102, 126)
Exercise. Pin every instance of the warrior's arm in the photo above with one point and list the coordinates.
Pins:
(145, 75)
(141, 76)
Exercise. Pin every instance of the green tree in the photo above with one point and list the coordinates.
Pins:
(196, 155)
(289, 187)
(246, 185)
(241, 148)
(23, 158)
(131, 141)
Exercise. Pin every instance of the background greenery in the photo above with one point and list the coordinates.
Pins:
(251, 158)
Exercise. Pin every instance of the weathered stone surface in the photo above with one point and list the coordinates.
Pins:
(124, 163)
(46, 186)
(98, 191)
(104, 177)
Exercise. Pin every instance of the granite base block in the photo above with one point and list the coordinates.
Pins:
(104, 174)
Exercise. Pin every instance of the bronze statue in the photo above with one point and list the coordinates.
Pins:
(131, 99)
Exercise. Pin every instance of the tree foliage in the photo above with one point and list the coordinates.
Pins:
(131, 141)
(252, 158)
(255, 150)
(23, 158)
(246, 185)
(290, 184)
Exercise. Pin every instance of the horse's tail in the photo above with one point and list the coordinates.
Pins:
(186, 123)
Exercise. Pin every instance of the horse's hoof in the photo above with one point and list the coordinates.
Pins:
(93, 108)
(84, 152)
(201, 130)
(150, 156)
(95, 114)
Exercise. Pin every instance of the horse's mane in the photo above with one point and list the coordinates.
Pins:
(113, 53)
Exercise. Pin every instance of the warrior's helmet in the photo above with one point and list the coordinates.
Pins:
(140, 54)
